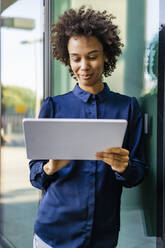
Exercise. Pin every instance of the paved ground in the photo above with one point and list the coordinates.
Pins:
(19, 198)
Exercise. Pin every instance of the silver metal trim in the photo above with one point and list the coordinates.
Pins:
(146, 123)
(47, 50)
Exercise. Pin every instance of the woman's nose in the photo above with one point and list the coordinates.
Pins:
(84, 64)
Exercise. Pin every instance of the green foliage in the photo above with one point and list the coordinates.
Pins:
(14, 96)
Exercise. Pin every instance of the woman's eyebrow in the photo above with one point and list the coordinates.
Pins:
(73, 54)
(93, 51)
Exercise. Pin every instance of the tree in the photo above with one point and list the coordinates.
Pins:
(14, 97)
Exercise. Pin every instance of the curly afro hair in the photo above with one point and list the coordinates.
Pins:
(87, 22)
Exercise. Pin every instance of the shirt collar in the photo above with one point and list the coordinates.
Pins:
(85, 96)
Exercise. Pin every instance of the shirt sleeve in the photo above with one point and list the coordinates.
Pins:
(38, 177)
(136, 170)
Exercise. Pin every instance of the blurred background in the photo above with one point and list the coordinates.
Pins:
(28, 74)
(21, 95)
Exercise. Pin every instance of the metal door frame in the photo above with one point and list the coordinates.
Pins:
(161, 133)
(47, 61)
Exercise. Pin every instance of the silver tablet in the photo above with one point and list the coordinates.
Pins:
(71, 138)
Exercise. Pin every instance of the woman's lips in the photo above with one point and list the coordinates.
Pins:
(83, 76)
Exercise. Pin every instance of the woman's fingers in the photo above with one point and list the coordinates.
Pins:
(116, 165)
(112, 156)
(54, 165)
(116, 157)
(117, 150)
(60, 162)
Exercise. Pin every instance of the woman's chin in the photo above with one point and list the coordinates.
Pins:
(87, 83)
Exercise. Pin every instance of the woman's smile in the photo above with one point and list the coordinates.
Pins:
(85, 76)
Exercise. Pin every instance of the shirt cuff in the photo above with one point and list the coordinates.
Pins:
(124, 175)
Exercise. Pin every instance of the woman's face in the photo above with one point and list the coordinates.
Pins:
(86, 60)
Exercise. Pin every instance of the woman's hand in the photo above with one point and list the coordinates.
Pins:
(116, 157)
(54, 165)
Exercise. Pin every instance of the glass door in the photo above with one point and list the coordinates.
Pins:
(22, 92)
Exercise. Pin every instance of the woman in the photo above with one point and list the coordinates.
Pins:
(80, 206)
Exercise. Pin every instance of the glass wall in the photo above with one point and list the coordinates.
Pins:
(135, 75)
(22, 91)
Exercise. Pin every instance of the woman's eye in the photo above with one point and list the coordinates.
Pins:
(75, 59)
(92, 57)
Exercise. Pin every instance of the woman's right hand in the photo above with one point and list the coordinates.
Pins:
(54, 165)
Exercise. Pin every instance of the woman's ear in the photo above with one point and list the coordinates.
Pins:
(105, 59)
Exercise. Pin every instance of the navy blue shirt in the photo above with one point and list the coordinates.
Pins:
(80, 206)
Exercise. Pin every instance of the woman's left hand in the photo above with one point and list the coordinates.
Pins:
(116, 157)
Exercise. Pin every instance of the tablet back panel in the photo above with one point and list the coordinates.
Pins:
(71, 138)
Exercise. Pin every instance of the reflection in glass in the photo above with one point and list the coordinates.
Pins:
(22, 92)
